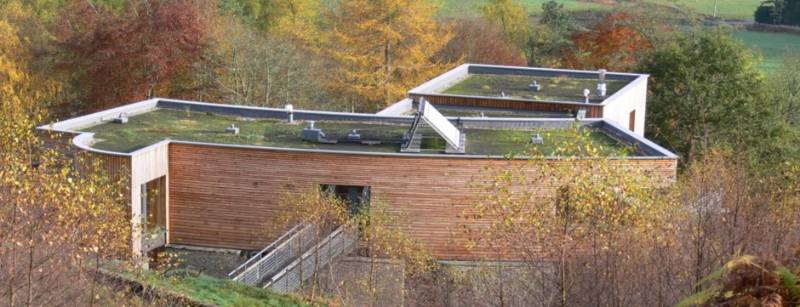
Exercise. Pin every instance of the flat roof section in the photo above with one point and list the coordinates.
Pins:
(154, 126)
(525, 84)
(157, 120)
(559, 88)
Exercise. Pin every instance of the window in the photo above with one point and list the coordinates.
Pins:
(154, 204)
(356, 197)
(632, 120)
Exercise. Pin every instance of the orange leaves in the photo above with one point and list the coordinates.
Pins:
(129, 57)
(613, 43)
(383, 49)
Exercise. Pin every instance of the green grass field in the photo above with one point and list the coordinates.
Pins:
(735, 9)
(771, 46)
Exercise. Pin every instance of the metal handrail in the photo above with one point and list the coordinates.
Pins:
(280, 281)
(412, 131)
(260, 255)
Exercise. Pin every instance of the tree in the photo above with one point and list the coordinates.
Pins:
(315, 210)
(295, 18)
(549, 37)
(733, 211)
(610, 44)
(511, 17)
(784, 84)
(129, 57)
(570, 220)
(555, 17)
(58, 223)
(786, 12)
(383, 48)
(475, 40)
(705, 89)
(244, 66)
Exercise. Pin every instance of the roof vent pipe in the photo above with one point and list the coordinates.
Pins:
(232, 129)
(601, 84)
(586, 93)
(290, 110)
(535, 86)
(537, 139)
(122, 118)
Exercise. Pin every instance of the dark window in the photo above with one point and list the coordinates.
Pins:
(632, 120)
(154, 202)
(356, 197)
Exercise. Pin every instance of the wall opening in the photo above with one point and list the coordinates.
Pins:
(632, 120)
(154, 212)
(356, 197)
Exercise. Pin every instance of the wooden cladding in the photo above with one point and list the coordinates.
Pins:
(229, 197)
(592, 110)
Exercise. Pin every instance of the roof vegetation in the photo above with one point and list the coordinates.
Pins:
(151, 127)
(560, 88)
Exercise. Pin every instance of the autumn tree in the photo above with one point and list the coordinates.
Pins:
(609, 44)
(294, 17)
(243, 66)
(511, 17)
(299, 23)
(382, 49)
(549, 36)
(57, 222)
(385, 241)
(476, 40)
(572, 234)
(734, 211)
(132, 56)
(784, 85)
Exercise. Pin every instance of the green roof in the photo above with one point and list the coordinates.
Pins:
(151, 127)
(561, 88)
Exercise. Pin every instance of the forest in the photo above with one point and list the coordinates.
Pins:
(725, 233)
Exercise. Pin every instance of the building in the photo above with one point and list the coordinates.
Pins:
(509, 91)
(211, 175)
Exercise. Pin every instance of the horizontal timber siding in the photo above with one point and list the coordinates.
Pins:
(225, 197)
(592, 111)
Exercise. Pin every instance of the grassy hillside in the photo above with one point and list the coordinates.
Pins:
(738, 9)
(771, 46)
(212, 291)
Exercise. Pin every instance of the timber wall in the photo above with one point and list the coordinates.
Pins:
(226, 197)
(593, 110)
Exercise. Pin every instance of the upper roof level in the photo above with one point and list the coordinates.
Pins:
(560, 86)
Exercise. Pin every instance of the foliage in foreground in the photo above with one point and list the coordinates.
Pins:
(209, 290)
(749, 281)
(59, 217)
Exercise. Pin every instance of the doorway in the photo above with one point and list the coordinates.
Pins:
(356, 197)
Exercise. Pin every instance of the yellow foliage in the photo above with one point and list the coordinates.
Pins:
(384, 48)
(299, 23)
(52, 216)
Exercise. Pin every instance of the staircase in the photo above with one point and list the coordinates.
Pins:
(421, 129)
(289, 261)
